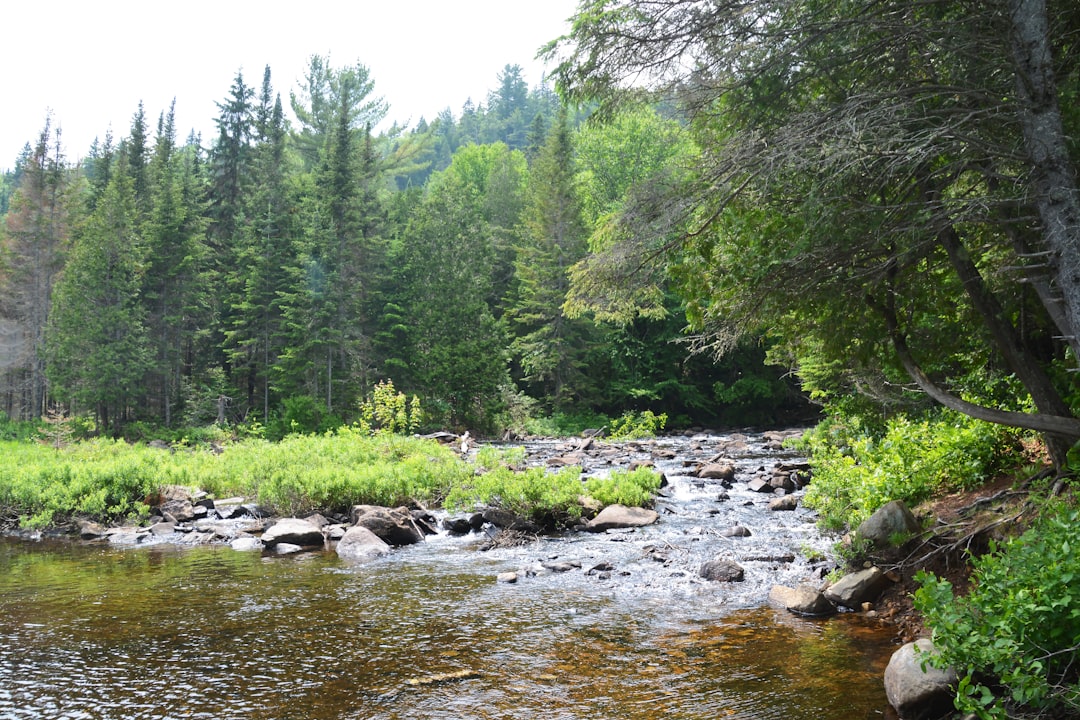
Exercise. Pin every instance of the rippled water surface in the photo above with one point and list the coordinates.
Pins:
(207, 632)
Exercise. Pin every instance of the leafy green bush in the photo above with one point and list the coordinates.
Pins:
(856, 471)
(489, 457)
(635, 488)
(635, 426)
(390, 411)
(1019, 627)
(550, 499)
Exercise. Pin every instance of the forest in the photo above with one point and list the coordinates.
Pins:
(276, 274)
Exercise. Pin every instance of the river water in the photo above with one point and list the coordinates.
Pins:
(96, 631)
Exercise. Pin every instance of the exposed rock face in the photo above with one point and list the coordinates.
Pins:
(802, 600)
(620, 516)
(856, 588)
(394, 526)
(891, 519)
(361, 545)
(917, 694)
(722, 570)
(293, 531)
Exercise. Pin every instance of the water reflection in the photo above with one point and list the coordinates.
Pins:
(212, 633)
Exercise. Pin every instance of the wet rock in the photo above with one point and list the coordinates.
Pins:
(783, 559)
(722, 570)
(90, 530)
(891, 520)
(619, 516)
(506, 520)
(126, 535)
(918, 694)
(293, 531)
(759, 485)
(335, 532)
(284, 548)
(735, 531)
(162, 528)
(560, 567)
(603, 567)
(317, 520)
(178, 511)
(802, 600)
(717, 471)
(788, 502)
(856, 588)
(246, 544)
(782, 481)
(395, 527)
(507, 577)
(457, 525)
(722, 496)
(359, 544)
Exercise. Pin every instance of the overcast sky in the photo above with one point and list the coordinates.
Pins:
(91, 61)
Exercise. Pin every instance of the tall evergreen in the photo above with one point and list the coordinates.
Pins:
(97, 344)
(549, 347)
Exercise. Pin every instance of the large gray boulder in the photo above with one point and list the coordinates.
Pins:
(620, 516)
(293, 531)
(394, 526)
(855, 588)
(804, 599)
(361, 545)
(891, 520)
(717, 471)
(918, 694)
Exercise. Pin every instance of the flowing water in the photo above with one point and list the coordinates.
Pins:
(93, 631)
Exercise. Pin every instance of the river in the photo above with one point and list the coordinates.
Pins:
(165, 631)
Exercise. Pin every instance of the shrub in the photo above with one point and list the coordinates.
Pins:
(635, 488)
(1019, 627)
(390, 411)
(550, 499)
(635, 426)
(857, 471)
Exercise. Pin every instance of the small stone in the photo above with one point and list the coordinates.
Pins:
(507, 577)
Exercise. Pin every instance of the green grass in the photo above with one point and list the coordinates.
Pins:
(110, 480)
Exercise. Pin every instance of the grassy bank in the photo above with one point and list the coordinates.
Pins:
(110, 480)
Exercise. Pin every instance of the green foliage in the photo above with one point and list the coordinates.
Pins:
(565, 423)
(637, 425)
(1015, 637)
(550, 499)
(18, 429)
(633, 488)
(856, 470)
(489, 457)
(390, 411)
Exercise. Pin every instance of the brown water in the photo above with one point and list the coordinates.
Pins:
(208, 632)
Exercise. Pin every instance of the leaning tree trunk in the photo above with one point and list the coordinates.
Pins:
(1055, 195)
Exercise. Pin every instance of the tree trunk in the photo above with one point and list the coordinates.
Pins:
(1055, 191)
(1032, 375)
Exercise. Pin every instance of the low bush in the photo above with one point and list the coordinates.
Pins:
(1015, 638)
(856, 471)
(637, 425)
(550, 499)
(635, 488)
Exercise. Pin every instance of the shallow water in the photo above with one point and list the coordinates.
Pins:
(207, 632)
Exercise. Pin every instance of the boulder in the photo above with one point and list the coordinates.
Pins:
(722, 570)
(284, 548)
(918, 694)
(246, 544)
(760, 485)
(787, 502)
(856, 588)
(178, 510)
(360, 545)
(620, 516)
(293, 531)
(890, 520)
(506, 520)
(457, 525)
(802, 600)
(90, 530)
(735, 531)
(395, 527)
(507, 577)
(717, 471)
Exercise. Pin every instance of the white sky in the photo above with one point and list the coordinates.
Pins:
(92, 61)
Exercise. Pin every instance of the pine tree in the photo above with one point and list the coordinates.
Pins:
(549, 347)
(33, 247)
(97, 346)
